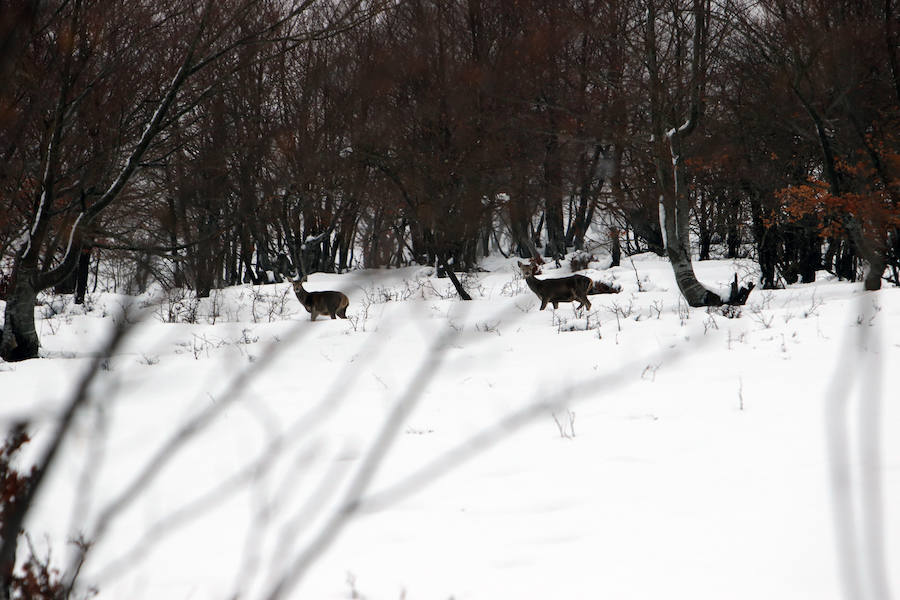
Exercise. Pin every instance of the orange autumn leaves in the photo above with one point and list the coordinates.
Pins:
(871, 197)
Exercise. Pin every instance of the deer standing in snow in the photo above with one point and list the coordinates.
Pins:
(321, 303)
(554, 291)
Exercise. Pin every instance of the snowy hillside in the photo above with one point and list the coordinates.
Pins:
(639, 450)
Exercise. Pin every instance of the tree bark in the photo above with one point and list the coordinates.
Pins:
(766, 244)
(616, 251)
(20, 339)
(553, 210)
(733, 227)
(587, 199)
(704, 222)
(81, 275)
(520, 229)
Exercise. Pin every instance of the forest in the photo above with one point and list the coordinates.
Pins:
(200, 144)
(174, 172)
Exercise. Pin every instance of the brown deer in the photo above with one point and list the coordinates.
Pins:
(320, 303)
(554, 291)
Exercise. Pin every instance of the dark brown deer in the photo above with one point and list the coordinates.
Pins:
(321, 303)
(554, 291)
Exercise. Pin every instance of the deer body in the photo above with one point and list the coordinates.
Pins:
(554, 291)
(320, 303)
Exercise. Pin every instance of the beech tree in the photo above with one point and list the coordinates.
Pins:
(676, 96)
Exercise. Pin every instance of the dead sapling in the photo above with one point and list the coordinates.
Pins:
(637, 278)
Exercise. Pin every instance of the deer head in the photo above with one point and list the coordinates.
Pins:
(532, 267)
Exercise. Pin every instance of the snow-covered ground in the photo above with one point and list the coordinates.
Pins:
(639, 450)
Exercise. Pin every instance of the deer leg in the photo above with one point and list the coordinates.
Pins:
(333, 316)
(342, 313)
(543, 304)
(313, 314)
(555, 305)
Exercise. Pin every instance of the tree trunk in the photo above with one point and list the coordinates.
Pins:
(463, 294)
(587, 195)
(845, 261)
(19, 340)
(616, 251)
(870, 251)
(766, 239)
(674, 218)
(705, 243)
(810, 252)
(203, 277)
(177, 266)
(704, 223)
(81, 275)
(553, 210)
(679, 254)
(732, 243)
(674, 201)
(733, 229)
(520, 229)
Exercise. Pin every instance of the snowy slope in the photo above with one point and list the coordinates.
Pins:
(642, 449)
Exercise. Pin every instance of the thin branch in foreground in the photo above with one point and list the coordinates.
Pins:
(359, 483)
(14, 522)
(178, 440)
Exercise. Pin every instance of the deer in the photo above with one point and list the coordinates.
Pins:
(554, 291)
(320, 303)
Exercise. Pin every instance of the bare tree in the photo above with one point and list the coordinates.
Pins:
(686, 74)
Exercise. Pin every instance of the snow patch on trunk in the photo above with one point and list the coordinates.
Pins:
(662, 221)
